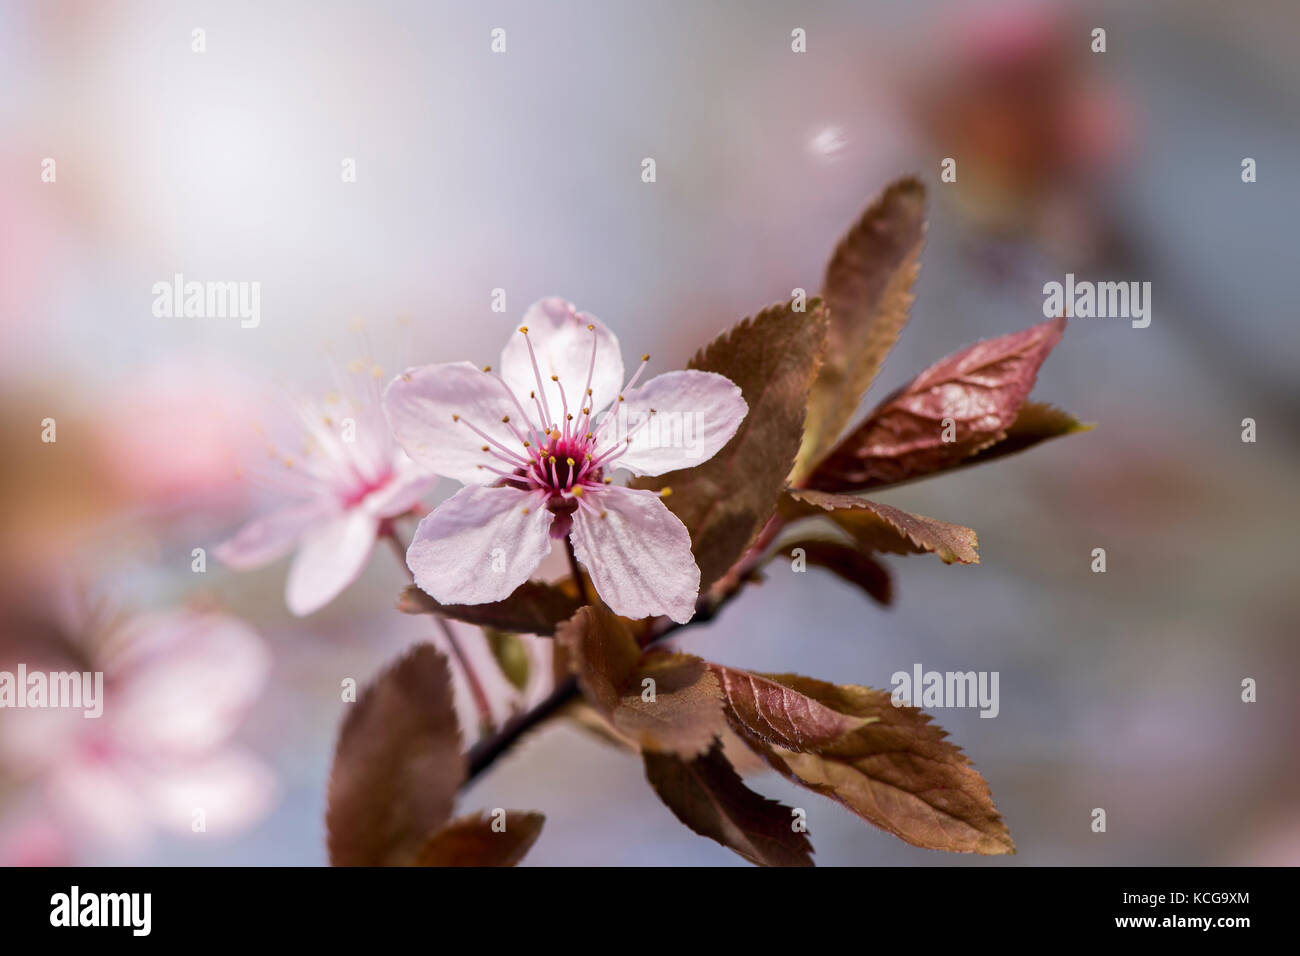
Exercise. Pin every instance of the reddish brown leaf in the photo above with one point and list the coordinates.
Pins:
(1036, 422)
(897, 771)
(587, 718)
(684, 716)
(708, 796)
(868, 292)
(846, 561)
(979, 390)
(602, 652)
(780, 715)
(397, 764)
(472, 840)
(534, 608)
(725, 501)
(679, 712)
(879, 527)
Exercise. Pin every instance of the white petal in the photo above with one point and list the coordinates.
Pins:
(264, 539)
(329, 559)
(480, 544)
(695, 414)
(563, 345)
(638, 555)
(430, 410)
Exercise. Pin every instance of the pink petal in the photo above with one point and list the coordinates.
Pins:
(330, 558)
(264, 539)
(183, 683)
(480, 544)
(100, 802)
(638, 555)
(563, 345)
(695, 414)
(231, 787)
(403, 491)
(430, 410)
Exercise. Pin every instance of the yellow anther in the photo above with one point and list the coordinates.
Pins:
(603, 513)
(406, 377)
(526, 510)
(588, 393)
(646, 357)
(376, 371)
(591, 328)
(577, 491)
(590, 436)
(485, 448)
(505, 418)
(665, 492)
(523, 329)
(455, 417)
(586, 411)
(609, 481)
(288, 463)
(329, 422)
(570, 462)
(551, 459)
(588, 456)
(528, 444)
(620, 398)
(487, 368)
(555, 378)
(532, 394)
(568, 418)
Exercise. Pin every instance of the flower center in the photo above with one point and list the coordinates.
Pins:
(561, 459)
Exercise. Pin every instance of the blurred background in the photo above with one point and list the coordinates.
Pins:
(521, 171)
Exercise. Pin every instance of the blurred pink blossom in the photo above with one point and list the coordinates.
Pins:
(348, 481)
(176, 686)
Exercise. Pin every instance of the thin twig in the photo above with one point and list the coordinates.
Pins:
(481, 702)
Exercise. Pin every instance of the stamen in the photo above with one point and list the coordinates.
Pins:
(618, 450)
(532, 429)
(591, 370)
(564, 404)
(512, 476)
(537, 373)
(510, 455)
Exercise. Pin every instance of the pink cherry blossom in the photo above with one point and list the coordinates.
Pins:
(350, 478)
(535, 455)
(176, 685)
